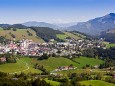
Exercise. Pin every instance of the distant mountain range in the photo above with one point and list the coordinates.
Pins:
(6, 26)
(95, 26)
(40, 24)
(91, 27)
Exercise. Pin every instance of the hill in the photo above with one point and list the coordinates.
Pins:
(40, 24)
(46, 33)
(95, 26)
(108, 35)
(95, 83)
(52, 63)
(22, 65)
(8, 26)
(72, 34)
(20, 34)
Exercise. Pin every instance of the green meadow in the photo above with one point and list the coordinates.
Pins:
(72, 35)
(52, 63)
(96, 83)
(85, 60)
(26, 64)
(22, 65)
(61, 36)
(20, 34)
(52, 83)
(110, 45)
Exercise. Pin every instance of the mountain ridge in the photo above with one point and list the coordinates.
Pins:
(40, 24)
(96, 25)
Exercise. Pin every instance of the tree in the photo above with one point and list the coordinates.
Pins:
(14, 29)
(44, 56)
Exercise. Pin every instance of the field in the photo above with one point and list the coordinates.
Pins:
(110, 45)
(84, 60)
(96, 83)
(20, 34)
(61, 36)
(72, 35)
(53, 83)
(25, 64)
(52, 63)
(22, 65)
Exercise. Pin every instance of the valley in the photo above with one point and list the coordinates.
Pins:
(56, 57)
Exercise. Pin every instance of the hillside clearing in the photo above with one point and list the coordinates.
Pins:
(22, 65)
(61, 36)
(20, 34)
(52, 63)
(96, 83)
(85, 60)
(110, 45)
(72, 35)
(53, 83)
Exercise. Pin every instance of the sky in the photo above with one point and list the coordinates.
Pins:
(53, 11)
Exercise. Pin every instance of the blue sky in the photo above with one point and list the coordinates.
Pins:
(53, 11)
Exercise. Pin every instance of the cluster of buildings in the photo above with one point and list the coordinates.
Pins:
(3, 59)
(29, 48)
(64, 68)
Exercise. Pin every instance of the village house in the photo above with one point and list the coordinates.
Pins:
(3, 59)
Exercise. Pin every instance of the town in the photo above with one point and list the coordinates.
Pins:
(28, 47)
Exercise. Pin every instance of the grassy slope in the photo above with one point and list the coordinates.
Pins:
(50, 64)
(19, 66)
(111, 45)
(61, 36)
(84, 60)
(20, 34)
(53, 63)
(52, 83)
(96, 83)
(72, 35)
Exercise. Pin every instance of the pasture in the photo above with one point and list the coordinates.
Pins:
(22, 65)
(61, 36)
(96, 83)
(20, 34)
(52, 63)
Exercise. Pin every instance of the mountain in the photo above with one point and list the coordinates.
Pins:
(4, 25)
(108, 35)
(40, 24)
(19, 26)
(46, 33)
(95, 26)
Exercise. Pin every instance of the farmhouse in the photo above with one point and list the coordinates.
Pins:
(3, 59)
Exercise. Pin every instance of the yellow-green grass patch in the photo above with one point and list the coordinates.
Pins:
(21, 34)
(96, 83)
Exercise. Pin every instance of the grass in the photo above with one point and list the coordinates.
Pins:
(61, 36)
(52, 63)
(72, 35)
(52, 83)
(96, 83)
(110, 45)
(20, 65)
(79, 71)
(85, 60)
(20, 34)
